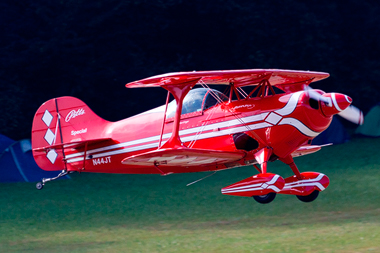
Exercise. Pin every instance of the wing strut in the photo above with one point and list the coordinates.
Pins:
(262, 157)
(179, 92)
(164, 119)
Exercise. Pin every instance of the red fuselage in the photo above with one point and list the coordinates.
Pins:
(283, 122)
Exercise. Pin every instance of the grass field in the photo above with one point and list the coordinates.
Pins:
(151, 213)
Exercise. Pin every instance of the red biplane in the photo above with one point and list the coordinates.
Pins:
(265, 115)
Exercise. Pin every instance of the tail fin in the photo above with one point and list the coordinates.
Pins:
(59, 122)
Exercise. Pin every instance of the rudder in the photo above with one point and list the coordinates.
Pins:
(63, 120)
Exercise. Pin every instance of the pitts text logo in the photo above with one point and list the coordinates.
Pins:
(74, 113)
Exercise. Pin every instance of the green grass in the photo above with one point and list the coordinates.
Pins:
(150, 213)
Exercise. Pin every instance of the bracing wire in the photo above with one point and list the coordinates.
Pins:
(204, 124)
(219, 100)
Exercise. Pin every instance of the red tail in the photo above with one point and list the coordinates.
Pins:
(63, 120)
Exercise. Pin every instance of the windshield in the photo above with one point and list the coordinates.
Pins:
(194, 100)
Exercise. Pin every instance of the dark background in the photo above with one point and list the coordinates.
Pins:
(91, 49)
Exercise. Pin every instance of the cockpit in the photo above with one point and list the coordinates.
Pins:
(197, 100)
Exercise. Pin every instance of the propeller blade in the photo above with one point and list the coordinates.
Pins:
(316, 96)
(353, 115)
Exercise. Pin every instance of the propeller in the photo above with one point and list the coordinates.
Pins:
(351, 113)
(317, 96)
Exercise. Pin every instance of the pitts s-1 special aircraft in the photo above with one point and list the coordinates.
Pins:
(266, 115)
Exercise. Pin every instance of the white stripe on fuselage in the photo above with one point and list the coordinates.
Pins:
(72, 157)
(291, 105)
(299, 125)
(193, 130)
(152, 142)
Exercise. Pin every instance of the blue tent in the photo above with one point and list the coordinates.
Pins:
(371, 126)
(17, 163)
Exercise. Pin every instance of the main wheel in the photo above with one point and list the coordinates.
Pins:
(39, 186)
(265, 199)
(309, 198)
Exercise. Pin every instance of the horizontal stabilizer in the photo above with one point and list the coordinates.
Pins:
(183, 157)
(73, 145)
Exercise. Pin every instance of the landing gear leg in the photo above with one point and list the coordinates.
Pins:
(40, 185)
(289, 161)
(262, 157)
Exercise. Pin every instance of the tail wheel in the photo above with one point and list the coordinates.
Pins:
(309, 198)
(39, 186)
(265, 199)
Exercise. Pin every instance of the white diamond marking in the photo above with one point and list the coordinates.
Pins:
(273, 118)
(47, 118)
(52, 156)
(49, 136)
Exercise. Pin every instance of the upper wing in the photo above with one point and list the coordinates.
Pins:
(283, 79)
(183, 157)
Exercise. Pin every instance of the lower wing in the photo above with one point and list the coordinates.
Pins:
(183, 157)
